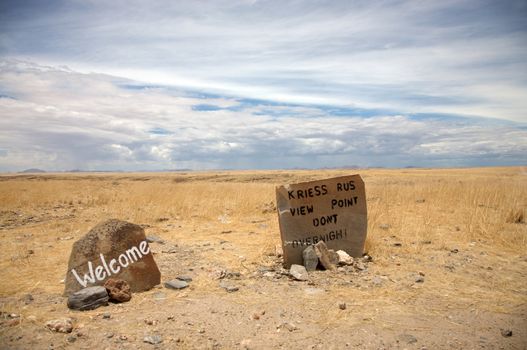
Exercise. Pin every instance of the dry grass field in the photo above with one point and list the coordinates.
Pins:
(463, 230)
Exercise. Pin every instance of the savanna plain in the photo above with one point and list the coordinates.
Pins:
(448, 266)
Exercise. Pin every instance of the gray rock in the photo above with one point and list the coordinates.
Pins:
(107, 315)
(184, 278)
(310, 258)
(407, 338)
(229, 287)
(298, 272)
(61, 325)
(88, 298)
(327, 258)
(154, 239)
(176, 284)
(506, 333)
(419, 279)
(377, 280)
(153, 339)
(384, 226)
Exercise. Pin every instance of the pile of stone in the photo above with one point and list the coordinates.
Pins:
(318, 256)
(114, 290)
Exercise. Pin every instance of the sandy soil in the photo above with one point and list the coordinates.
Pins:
(418, 292)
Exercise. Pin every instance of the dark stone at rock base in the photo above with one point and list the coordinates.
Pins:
(88, 298)
(118, 290)
(310, 258)
(176, 284)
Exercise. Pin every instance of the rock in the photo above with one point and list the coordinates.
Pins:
(384, 226)
(184, 278)
(298, 272)
(61, 325)
(287, 325)
(407, 338)
(310, 258)
(420, 200)
(419, 279)
(359, 266)
(377, 281)
(506, 333)
(342, 306)
(455, 250)
(118, 290)
(154, 239)
(176, 284)
(88, 298)
(112, 249)
(106, 315)
(71, 339)
(344, 258)
(326, 258)
(229, 287)
(153, 339)
(32, 318)
(28, 299)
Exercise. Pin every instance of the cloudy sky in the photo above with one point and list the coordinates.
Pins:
(149, 85)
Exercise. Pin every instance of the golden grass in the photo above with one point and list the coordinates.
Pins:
(449, 207)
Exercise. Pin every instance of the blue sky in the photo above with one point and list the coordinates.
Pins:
(134, 85)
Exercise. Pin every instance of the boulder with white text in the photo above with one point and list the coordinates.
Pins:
(112, 249)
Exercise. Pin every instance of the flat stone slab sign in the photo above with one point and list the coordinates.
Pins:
(331, 210)
(112, 249)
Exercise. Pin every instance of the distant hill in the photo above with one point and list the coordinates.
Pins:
(32, 171)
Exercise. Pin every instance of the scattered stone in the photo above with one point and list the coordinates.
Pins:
(310, 258)
(109, 335)
(106, 315)
(153, 339)
(506, 333)
(184, 278)
(426, 242)
(160, 296)
(344, 258)
(342, 306)
(150, 322)
(360, 266)
(366, 257)
(61, 325)
(298, 272)
(377, 281)
(71, 339)
(176, 284)
(407, 338)
(454, 250)
(225, 232)
(419, 279)
(27, 299)
(88, 298)
(420, 200)
(118, 290)
(123, 337)
(172, 250)
(154, 239)
(287, 325)
(32, 318)
(384, 226)
(397, 244)
(326, 258)
(229, 287)
(113, 243)
(13, 322)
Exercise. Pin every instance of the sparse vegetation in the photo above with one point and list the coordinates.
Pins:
(416, 219)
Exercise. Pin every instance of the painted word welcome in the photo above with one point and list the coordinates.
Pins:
(114, 266)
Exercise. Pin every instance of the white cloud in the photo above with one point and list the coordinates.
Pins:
(459, 57)
(55, 118)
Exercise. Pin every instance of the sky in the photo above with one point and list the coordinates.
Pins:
(249, 84)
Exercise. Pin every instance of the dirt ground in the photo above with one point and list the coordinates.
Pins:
(448, 267)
